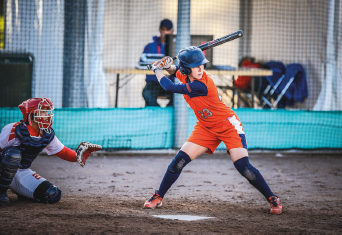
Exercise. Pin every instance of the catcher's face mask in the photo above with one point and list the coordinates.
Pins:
(43, 115)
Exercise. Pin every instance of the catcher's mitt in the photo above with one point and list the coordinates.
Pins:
(84, 150)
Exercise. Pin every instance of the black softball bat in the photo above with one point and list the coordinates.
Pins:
(214, 43)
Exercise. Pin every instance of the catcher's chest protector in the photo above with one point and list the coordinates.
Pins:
(31, 147)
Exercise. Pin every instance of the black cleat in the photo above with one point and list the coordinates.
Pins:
(4, 200)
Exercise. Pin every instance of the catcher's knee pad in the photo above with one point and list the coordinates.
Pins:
(246, 169)
(179, 162)
(47, 192)
(9, 165)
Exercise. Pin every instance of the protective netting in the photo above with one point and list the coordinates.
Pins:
(282, 78)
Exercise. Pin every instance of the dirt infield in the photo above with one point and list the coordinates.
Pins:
(108, 194)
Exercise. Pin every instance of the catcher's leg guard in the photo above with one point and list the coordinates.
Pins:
(47, 192)
(253, 176)
(9, 165)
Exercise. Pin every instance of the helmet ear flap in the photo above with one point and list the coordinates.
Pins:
(185, 70)
(29, 117)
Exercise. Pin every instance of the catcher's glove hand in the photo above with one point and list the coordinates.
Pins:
(84, 150)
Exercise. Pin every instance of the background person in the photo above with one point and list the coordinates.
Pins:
(156, 50)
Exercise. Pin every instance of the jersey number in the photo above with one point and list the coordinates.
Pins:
(205, 113)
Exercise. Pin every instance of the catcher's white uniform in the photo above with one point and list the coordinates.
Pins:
(26, 181)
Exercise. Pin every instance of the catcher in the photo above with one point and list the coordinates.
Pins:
(21, 142)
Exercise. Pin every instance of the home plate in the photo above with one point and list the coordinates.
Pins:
(183, 217)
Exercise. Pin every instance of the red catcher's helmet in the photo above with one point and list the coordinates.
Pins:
(42, 112)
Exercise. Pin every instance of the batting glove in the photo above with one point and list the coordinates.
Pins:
(157, 65)
(167, 62)
(84, 150)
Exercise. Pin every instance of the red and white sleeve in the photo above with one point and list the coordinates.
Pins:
(7, 136)
(67, 154)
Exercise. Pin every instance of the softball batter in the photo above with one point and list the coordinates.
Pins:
(216, 123)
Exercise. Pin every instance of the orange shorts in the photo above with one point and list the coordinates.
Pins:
(230, 132)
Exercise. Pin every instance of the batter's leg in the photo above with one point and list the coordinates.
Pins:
(254, 177)
(188, 152)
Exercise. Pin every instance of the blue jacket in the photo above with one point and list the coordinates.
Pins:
(155, 48)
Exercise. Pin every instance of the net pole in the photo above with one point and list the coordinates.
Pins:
(74, 47)
(183, 40)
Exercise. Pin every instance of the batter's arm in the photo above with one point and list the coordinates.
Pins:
(192, 89)
(172, 70)
(159, 74)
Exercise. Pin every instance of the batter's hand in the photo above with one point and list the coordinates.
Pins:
(157, 65)
(84, 150)
(167, 62)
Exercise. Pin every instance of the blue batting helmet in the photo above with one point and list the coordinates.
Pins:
(190, 57)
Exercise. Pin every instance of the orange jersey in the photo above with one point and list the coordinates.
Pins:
(210, 109)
